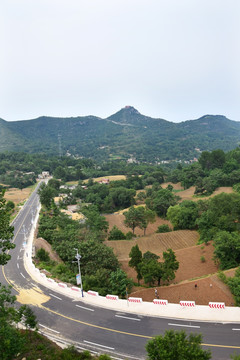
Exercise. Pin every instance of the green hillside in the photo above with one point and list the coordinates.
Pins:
(122, 135)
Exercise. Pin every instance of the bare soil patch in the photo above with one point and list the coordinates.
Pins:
(109, 177)
(190, 264)
(156, 243)
(188, 194)
(176, 186)
(40, 243)
(192, 270)
(118, 220)
(208, 289)
(17, 195)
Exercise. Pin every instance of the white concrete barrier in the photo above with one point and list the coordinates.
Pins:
(43, 275)
(112, 297)
(217, 305)
(62, 285)
(74, 288)
(51, 280)
(135, 300)
(187, 303)
(94, 293)
(160, 302)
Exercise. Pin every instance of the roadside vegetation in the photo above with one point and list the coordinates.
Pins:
(142, 198)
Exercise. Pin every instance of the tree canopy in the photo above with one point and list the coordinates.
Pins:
(176, 345)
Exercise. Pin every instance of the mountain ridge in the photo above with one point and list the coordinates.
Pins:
(122, 135)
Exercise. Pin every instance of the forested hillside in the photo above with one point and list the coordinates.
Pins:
(126, 134)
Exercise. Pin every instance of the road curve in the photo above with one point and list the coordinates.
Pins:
(120, 333)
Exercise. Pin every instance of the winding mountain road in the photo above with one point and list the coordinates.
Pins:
(70, 320)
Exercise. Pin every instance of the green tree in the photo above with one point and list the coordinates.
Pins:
(184, 215)
(116, 234)
(175, 345)
(227, 249)
(149, 216)
(135, 260)
(6, 231)
(170, 265)
(46, 194)
(119, 282)
(161, 201)
(95, 221)
(134, 217)
(152, 270)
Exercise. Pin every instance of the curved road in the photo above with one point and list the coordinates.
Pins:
(122, 335)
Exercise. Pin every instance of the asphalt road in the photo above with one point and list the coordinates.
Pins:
(122, 335)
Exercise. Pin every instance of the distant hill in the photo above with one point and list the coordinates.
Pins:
(122, 135)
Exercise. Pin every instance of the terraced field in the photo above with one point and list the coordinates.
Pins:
(156, 243)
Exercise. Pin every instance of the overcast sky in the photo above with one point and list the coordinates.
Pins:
(171, 59)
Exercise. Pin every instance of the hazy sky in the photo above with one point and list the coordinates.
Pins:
(171, 59)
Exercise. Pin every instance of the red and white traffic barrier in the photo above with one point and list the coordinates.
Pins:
(51, 280)
(135, 300)
(42, 275)
(62, 285)
(94, 293)
(160, 302)
(217, 305)
(112, 297)
(187, 303)
(74, 288)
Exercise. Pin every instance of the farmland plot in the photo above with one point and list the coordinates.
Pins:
(156, 243)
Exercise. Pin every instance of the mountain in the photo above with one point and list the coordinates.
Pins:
(122, 135)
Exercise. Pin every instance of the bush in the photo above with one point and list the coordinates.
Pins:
(130, 235)
(43, 255)
(163, 229)
(116, 234)
(203, 260)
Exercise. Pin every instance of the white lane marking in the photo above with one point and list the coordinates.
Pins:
(18, 265)
(103, 346)
(35, 285)
(45, 327)
(126, 317)
(23, 275)
(82, 307)
(191, 326)
(236, 329)
(84, 349)
(56, 296)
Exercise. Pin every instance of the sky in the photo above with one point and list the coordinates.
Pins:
(171, 59)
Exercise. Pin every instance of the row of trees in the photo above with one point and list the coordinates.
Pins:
(216, 219)
(214, 169)
(150, 269)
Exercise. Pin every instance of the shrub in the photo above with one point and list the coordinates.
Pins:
(203, 260)
(163, 229)
(43, 255)
(116, 234)
(129, 235)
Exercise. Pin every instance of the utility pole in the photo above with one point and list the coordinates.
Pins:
(78, 257)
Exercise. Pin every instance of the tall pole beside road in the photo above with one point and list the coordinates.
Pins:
(79, 277)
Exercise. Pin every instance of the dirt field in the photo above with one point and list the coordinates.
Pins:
(208, 289)
(111, 178)
(17, 195)
(190, 271)
(189, 193)
(156, 243)
(118, 220)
